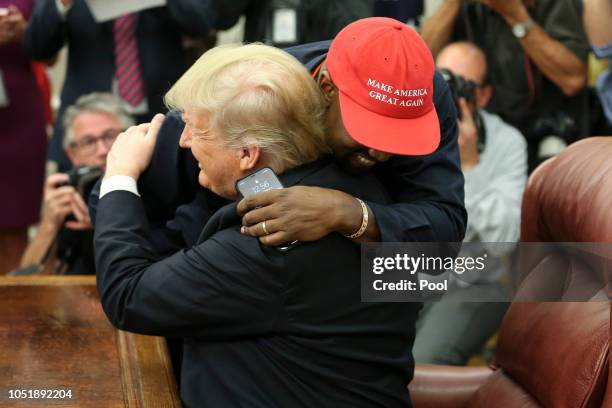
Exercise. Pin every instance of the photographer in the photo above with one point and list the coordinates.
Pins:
(597, 21)
(91, 126)
(537, 52)
(493, 159)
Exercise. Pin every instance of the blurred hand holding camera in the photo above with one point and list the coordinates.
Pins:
(132, 151)
(468, 137)
(60, 201)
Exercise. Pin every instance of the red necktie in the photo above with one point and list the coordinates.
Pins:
(127, 62)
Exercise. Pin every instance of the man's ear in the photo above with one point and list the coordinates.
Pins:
(249, 157)
(328, 89)
(483, 95)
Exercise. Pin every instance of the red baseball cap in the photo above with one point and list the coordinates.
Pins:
(384, 73)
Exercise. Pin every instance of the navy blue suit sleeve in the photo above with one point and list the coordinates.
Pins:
(224, 288)
(427, 190)
(166, 238)
(194, 17)
(46, 32)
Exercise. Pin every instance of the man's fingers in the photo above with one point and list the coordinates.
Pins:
(257, 200)
(275, 239)
(463, 105)
(79, 212)
(79, 202)
(61, 201)
(466, 112)
(59, 212)
(63, 208)
(62, 193)
(155, 125)
(55, 179)
(258, 230)
(136, 129)
(260, 214)
(77, 225)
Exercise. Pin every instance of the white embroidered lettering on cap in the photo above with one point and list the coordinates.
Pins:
(384, 73)
(409, 93)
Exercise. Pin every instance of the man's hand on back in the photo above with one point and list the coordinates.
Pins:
(299, 213)
(132, 151)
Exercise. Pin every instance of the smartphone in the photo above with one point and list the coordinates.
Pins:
(263, 180)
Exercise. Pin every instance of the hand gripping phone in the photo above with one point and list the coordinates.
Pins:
(258, 182)
(262, 180)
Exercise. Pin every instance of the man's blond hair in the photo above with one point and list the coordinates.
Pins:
(256, 95)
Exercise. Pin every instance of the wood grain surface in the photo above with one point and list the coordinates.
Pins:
(55, 336)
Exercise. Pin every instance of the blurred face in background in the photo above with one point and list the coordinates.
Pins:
(468, 61)
(93, 135)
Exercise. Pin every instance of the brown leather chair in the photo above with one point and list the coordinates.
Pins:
(553, 355)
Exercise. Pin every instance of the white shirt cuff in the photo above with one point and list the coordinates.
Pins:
(61, 9)
(114, 183)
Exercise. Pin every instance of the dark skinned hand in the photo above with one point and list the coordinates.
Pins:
(298, 213)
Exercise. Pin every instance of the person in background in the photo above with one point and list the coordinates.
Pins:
(136, 56)
(284, 23)
(91, 126)
(22, 138)
(536, 54)
(597, 23)
(494, 162)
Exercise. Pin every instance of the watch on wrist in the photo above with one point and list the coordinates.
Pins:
(520, 30)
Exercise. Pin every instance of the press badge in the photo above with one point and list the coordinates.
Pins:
(4, 99)
(284, 26)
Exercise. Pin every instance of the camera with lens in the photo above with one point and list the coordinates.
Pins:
(83, 179)
(460, 88)
(466, 89)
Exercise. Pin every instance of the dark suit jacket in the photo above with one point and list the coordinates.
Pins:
(91, 64)
(262, 328)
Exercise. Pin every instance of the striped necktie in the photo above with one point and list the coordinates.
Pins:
(127, 62)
